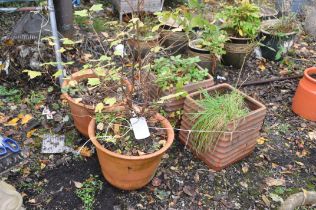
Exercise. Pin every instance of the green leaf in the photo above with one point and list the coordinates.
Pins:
(99, 107)
(67, 41)
(33, 74)
(96, 8)
(82, 13)
(58, 73)
(104, 58)
(94, 81)
(109, 101)
(275, 197)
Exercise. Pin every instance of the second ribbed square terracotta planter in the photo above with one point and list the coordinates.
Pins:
(237, 142)
(172, 105)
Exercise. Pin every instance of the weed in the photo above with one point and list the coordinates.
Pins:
(35, 98)
(11, 95)
(284, 128)
(88, 191)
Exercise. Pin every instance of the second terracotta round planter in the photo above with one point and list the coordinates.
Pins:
(130, 172)
(82, 113)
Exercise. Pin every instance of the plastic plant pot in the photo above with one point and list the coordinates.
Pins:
(271, 44)
(237, 51)
(304, 101)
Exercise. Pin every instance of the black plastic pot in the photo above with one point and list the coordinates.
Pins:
(271, 44)
(208, 60)
(237, 51)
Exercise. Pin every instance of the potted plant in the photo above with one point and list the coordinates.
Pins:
(242, 24)
(277, 36)
(172, 35)
(143, 37)
(94, 89)
(224, 125)
(172, 78)
(209, 47)
(126, 162)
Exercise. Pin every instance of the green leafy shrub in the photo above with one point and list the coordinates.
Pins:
(242, 20)
(175, 72)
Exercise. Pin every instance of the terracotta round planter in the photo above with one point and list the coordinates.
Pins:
(82, 113)
(130, 172)
(304, 101)
(142, 47)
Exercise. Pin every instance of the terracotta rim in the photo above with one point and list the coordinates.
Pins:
(89, 74)
(227, 86)
(308, 72)
(165, 124)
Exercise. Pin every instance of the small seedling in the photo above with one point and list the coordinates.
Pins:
(88, 191)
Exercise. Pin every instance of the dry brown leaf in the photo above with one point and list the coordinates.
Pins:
(312, 135)
(266, 200)
(3, 118)
(78, 184)
(85, 152)
(116, 129)
(274, 182)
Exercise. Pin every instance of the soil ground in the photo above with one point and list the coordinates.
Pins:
(283, 163)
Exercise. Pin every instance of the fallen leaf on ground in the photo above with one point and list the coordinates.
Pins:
(274, 182)
(312, 135)
(12, 122)
(85, 152)
(78, 184)
(189, 191)
(26, 119)
(266, 200)
(261, 140)
(30, 133)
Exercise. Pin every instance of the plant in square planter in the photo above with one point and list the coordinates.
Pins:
(129, 159)
(209, 47)
(170, 79)
(144, 38)
(88, 90)
(277, 37)
(242, 24)
(224, 124)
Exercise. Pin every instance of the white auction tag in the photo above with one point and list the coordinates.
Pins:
(140, 128)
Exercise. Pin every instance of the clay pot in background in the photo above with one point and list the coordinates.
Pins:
(130, 172)
(82, 113)
(142, 48)
(304, 101)
(237, 51)
(175, 42)
(231, 147)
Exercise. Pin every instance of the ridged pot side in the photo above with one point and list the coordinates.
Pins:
(304, 101)
(82, 113)
(173, 105)
(234, 144)
(130, 172)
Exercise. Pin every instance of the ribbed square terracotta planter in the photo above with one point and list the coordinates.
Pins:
(176, 104)
(237, 142)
